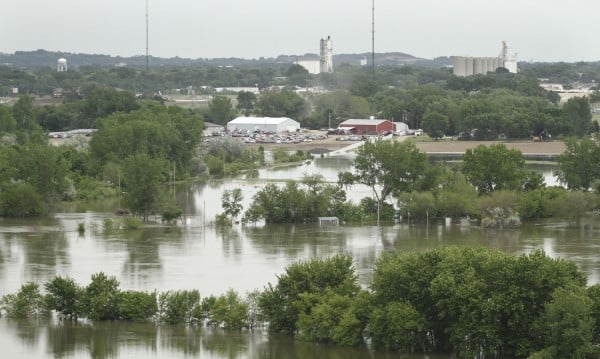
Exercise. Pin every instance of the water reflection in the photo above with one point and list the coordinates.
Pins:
(142, 340)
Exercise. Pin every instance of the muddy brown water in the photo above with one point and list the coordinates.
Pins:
(198, 256)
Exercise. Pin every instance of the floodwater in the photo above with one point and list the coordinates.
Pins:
(199, 256)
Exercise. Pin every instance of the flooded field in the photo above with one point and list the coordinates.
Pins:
(199, 256)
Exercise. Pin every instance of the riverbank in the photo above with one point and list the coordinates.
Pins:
(529, 149)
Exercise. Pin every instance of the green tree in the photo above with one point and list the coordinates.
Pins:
(578, 114)
(101, 298)
(280, 304)
(230, 311)
(284, 103)
(8, 124)
(137, 306)
(566, 326)
(179, 307)
(246, 101)
(387, 167)
(28, 302)
(220, 110)
(436, 124)
(143, 177)
(495, 167)
(64, 296)
(104, 101)
(23, 112)
(231, 201)
(579, 163)
(20, 200)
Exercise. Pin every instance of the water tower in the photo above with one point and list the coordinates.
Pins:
(62, 65)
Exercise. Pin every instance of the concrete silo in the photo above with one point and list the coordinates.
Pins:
(459, 63)
(469, 66)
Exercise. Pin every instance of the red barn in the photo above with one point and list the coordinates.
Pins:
(369, 126)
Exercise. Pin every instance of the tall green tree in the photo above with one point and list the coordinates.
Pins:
(143, 177)
(245, 102)
(284, 103)
(220, 110)
(387, 167)
(579, 163)
(578, 114)
(495, 167)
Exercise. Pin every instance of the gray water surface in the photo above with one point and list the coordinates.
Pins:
(199, 256)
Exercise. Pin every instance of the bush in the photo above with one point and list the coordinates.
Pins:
(539, 203)
(499, 210)
(20, 200)
(64, 296)
(132, 223)
(171, 215)
(215, 165)
(396, 326)
(280, 304)
(28, 302)
(229, 311)
(101, 298)
(180, 307)
(137, 306)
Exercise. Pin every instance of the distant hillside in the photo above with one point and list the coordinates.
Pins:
(43, 58)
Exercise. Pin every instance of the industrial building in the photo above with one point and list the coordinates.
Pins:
(325, 62)
(326, 55)
(367, 126)
(263, 124)
(468, 66)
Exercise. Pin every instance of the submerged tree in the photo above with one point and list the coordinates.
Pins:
(387, 167)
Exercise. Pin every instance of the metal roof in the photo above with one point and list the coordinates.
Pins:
(362, 122)
(260, 120)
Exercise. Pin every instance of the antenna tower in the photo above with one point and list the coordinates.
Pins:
(373, 36)
(146, 36)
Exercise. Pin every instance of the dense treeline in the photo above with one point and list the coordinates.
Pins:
(167, 139)
(477, 107)
(465, 301)
(491, 185)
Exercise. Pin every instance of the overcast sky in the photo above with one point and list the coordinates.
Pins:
(539, 30)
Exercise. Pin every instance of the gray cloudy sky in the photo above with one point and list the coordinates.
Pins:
(539, 30)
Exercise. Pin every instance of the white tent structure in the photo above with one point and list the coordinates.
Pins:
(264, 124)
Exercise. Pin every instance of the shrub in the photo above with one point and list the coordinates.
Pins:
(28, 302)
(280, 304)
(229, 311)
(101, 298)
(171, 215)
(180, 307)
(64, 296)
(137, 306)
(396, 326)
(132, 223)
(20, 200)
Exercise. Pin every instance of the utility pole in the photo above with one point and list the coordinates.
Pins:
(373, 36)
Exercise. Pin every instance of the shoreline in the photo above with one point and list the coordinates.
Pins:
(451, 148)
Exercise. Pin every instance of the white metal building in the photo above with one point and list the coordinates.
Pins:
(264, 124)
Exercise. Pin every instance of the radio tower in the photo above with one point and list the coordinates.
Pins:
(146, 36)
(373, 36)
